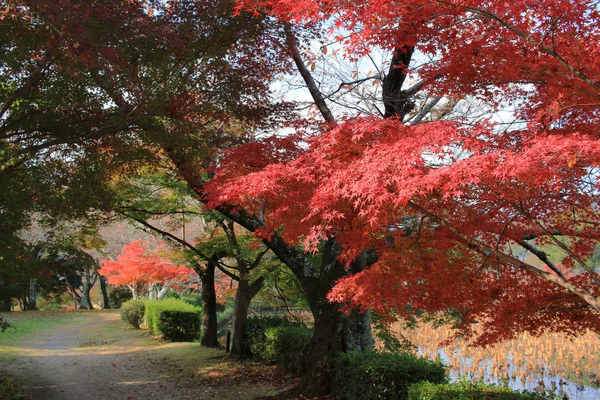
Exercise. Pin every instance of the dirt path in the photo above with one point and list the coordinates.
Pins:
(95, 356)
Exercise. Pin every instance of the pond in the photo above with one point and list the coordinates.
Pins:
(551, 363)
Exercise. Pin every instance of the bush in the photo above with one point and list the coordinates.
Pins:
(118, 296)
(368, 375)
(276, 340)
(173, 319)
(132, 312)
(466, 391)
(193, 300)
(179, 326)
(9, 389)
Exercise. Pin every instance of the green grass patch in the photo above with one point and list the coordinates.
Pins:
(9, 389)
(30, 323)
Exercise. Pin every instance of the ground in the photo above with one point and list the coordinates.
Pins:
(95, 355)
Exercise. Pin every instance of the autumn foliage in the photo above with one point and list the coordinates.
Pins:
(139, 268)
(445, 204)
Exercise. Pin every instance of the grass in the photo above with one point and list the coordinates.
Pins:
(30, 323)
(9, 389)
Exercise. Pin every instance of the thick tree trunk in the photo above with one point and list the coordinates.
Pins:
(105, 300)
(238, 323)
(243, 297)
(209, 305)
(86, 302)
(163, 292)
(5, 304)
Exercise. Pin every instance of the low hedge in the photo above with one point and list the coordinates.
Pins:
(279, 341)
(132, 312)
(370, 375)
(467, 391)
(179, 326)
(173, 319)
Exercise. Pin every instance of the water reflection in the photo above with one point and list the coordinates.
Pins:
(552, 363)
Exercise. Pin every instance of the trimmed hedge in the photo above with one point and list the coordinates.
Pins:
(173, 319)
(276, 340)
(467, 391)
(369, 375)
(179, 326)
(132, 312)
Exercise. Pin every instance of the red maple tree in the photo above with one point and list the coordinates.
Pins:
(139, 268)
(445, 203)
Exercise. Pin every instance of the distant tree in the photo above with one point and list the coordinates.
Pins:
(140, 270)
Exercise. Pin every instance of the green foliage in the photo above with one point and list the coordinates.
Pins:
(133, 312)
(154, 308)
(118, 296)
(368, 375)
(179, 326)
(195, 301)
(467, 391)
(4, 325)
(54, 303)
(393, 342)
(276, 340)
(9, 389)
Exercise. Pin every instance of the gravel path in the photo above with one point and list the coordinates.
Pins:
(96, 357)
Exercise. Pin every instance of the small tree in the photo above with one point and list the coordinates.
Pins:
(139, 269)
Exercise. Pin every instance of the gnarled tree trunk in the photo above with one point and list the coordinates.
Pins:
(105, 300)
(209, 304)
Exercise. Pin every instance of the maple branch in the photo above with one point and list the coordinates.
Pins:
(307, 76)
(542, 257)
(140, 210)
(166, 235)
(425, 110)
(285, 303)
(34, 78)
(560, 244)
(257, 259)
(485, 249)
(550, 51)
(229, 274)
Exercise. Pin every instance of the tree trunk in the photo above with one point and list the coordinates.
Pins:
(238, 323)
(32, 295)
(162, 293)
(209, 305)
(152, 292)
(243, 297)
(105, 300)
(5, 304)
(86, 302)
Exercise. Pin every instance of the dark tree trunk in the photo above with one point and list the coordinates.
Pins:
(5, 304)
(32, 295)
(105, 300)
(243, 297)
(209, 305)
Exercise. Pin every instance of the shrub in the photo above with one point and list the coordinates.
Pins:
(132, 312)
(167, 325)
(276, 340)
(369, 375)
(466, 391)
(118, 296)
(179, 326)
(193, 300)
(4, 325)
(9, 389)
